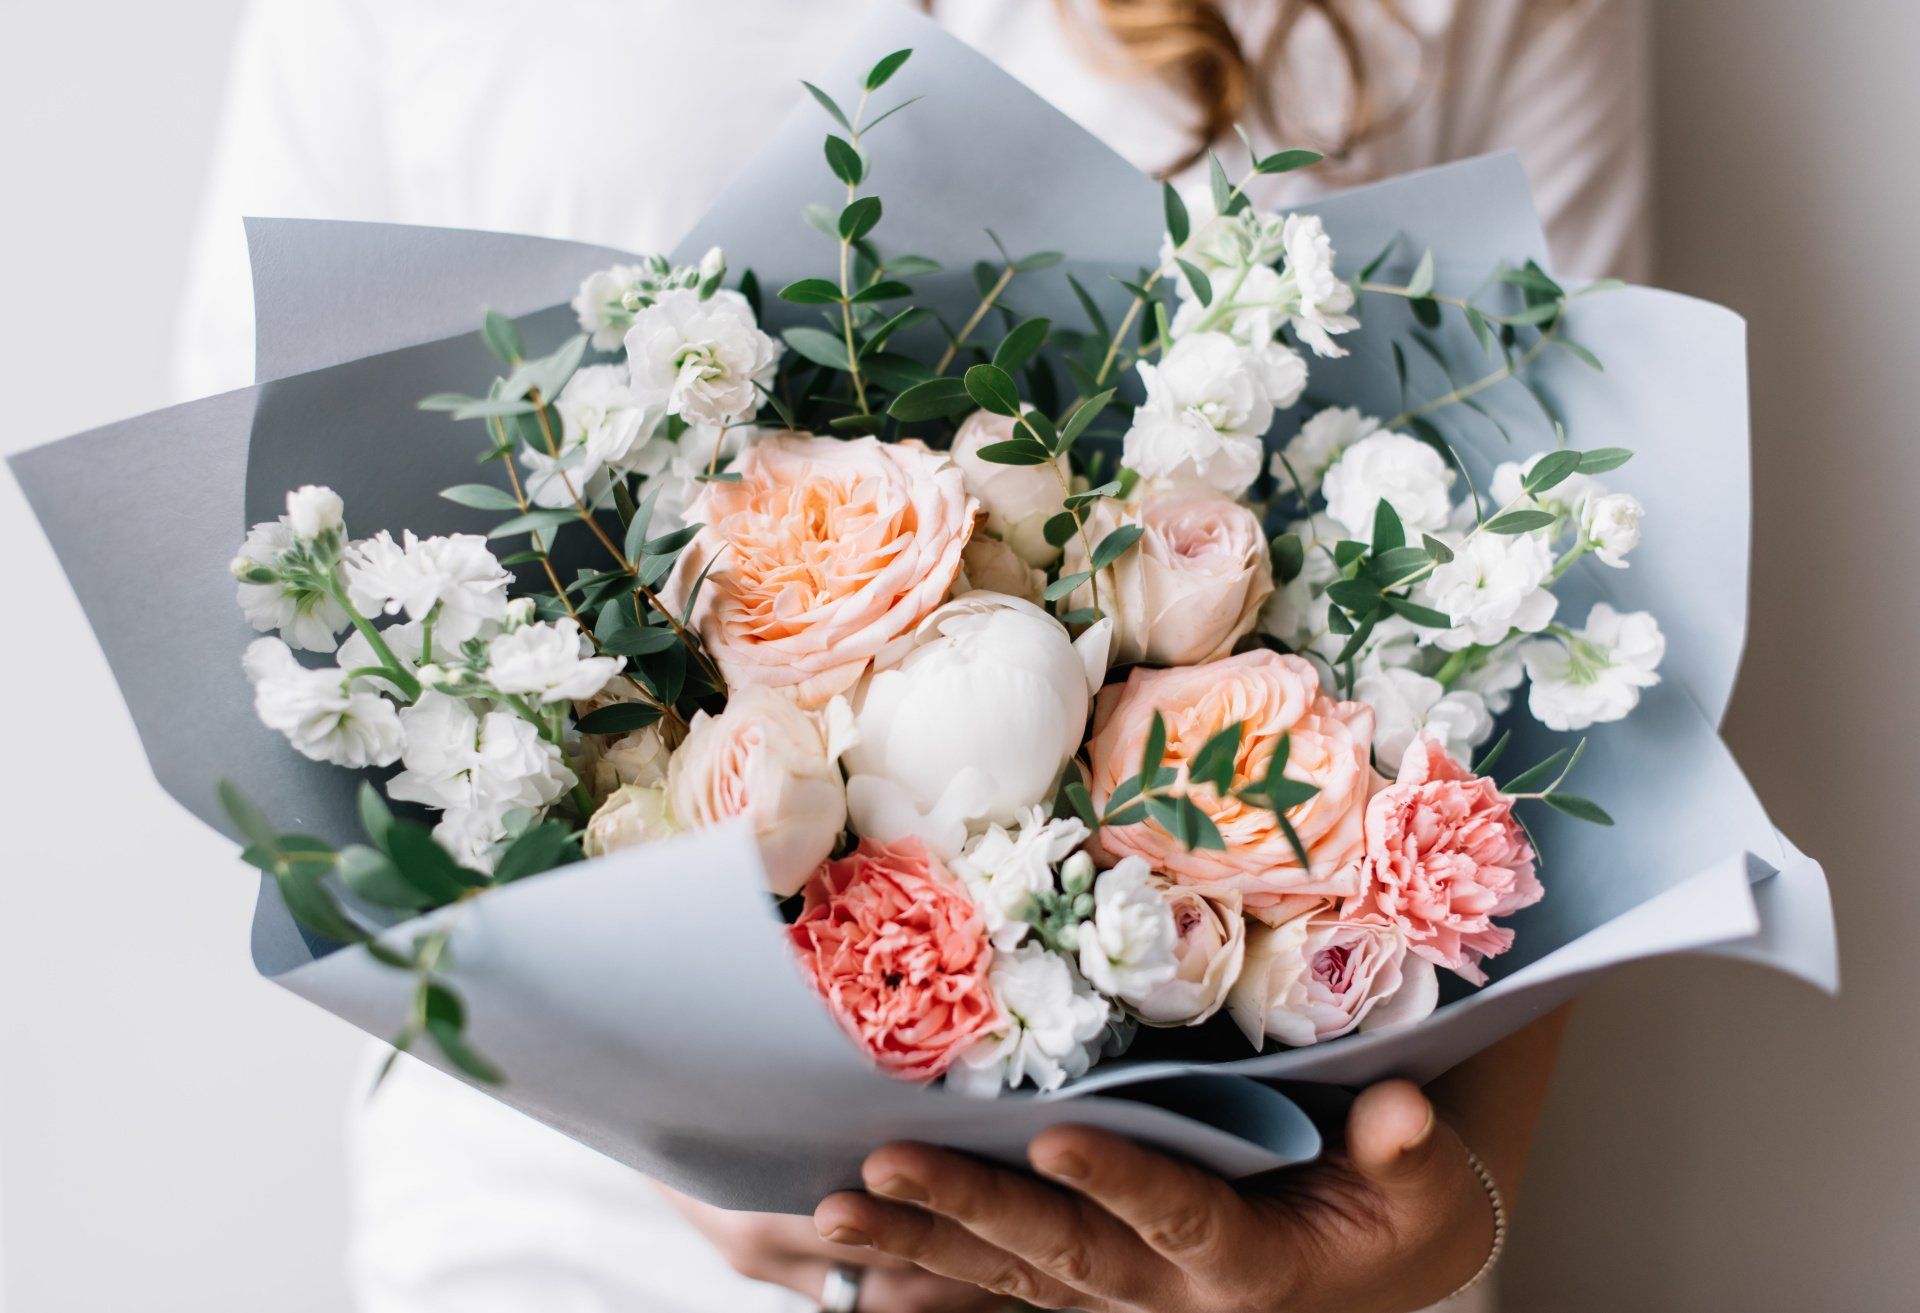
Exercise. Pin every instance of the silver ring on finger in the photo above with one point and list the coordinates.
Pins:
(840, 1292)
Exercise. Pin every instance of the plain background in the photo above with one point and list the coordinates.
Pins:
(1718, 1140)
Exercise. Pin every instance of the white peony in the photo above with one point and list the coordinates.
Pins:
(969, 720)
(488, 761)
(319, 711)
(1406, 703)
(314, 511)
(704, 361)
(1203, 419)
(1402, 471)
(1018, 499)
(455, 579)
(1495, 583)
(1320, 300)
(306, 617)
(1127, 945)
(1007, 868)
(1595, 675)
(551, 660)
(1311, 452)
(1610, 526)
(1055, 1026)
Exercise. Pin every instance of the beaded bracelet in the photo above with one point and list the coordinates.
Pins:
(1499, 1223)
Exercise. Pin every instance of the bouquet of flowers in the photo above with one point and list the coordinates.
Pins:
(1173, 654)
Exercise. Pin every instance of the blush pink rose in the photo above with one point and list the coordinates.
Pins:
(1445, 856)
(1330, 746)
(1321, 976)
(897, 948)
(825, 551)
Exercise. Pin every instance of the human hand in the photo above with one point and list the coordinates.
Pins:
(786, 1251)
(1394, 1222)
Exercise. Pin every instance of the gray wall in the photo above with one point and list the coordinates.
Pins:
(1719, 1140)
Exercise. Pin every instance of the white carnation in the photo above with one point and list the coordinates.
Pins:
(1127, 948)
(319, 711)
(306, 617)
(1005, 869)
(551, 660)
(1407, 703)
(698, 359)
(1495, 583)
(1402, 471)
(455, 579)
(1055, 1026)
(1311, 452)
(1595, 675)
(1611, 526)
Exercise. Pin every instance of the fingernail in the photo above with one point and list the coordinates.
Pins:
(902, 1188)
(1066, 1167)
(846, 1235)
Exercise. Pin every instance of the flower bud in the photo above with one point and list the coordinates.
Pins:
(1076, 874)
(314, 512)
(519, 612)
(249, 571)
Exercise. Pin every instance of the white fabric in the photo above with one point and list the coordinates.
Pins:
(616, 121)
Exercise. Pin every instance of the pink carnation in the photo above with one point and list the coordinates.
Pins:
(1445, 856)
(899, 951)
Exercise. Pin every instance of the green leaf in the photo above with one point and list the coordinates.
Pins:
(534, 522)
(640, 522)
(1286, 161)
(1221, 185)
(1036, 427)
(937, 398)
(638, 640)
(1214, 763)
(990, 386)
(619, 718)
(481, 496)
(669, 543)
(1178, 224)
(1065, 584)
(1421, 284)
(1182, 818)
(819, 346)
(1533, 316)
(1111, 488)
(866, 425)
(881, 291)
(1493, 754)
(826, 103)
(1358, 596)
(1155, 750)
(1059, 528)
(372, 875)
(424, 864)
(1083, 415)
(1579, 808)
(1018, 452)
(1552, 469)
(314, 907)
(1602, 459)
(1115, 545)
(913, 314)
(376, 818)
(1439, 551)
(1581, 354)
(1030, 264)
(1020, 345)
(1426, 311)
(1126, 816)
(1091, 307)
(1289, 558)
(1390, 567)
(450, 1038)
(502, 337)
(1075, 792)
(1347, 551)
(886, 68)
(812, 291)
(1201, 284)
(1533, 279)
(541, 848)
(1519, 522)
(1420, 615)
(246, 818)
(1388, 532)
(859, 218)
(845, 161)
(1534, 775)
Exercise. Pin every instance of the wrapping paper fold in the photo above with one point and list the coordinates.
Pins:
(645, 1003)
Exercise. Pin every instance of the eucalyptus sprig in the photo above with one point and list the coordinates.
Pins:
(1541, 783)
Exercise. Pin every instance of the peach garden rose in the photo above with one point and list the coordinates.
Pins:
(826, 551)
(1271, 694)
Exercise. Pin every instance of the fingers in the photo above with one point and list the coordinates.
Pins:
(937, 1244)
(1396, 1140)
(1188, 1216)
(1054, 1232)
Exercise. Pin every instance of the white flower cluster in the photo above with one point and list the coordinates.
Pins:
(468, 693)
(1228, 366)
(1496, 590)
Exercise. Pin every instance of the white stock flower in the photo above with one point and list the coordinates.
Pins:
(1562, 500)
(307, 618)
(1320, 300)
(1400, 470)
(1005, 869)
(674, 469)
(1127, 945)
(1611, 526)
(1222, 245)
(1311, 452)
(319, 711)
(550, 659)
(314, 511)
(1018, 499)
(1405, 703)
(1055, 1026)
(1204, 415)
(599, 415)
(1253, 321)
(455, 578)
(1290, 614)
(1596, 674)
(1495, 583)
(459, 758)
(601, 304)
(1493, 676)
(700, 359)
(969, 721)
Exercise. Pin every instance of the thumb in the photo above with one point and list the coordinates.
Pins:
(1396, 1140)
